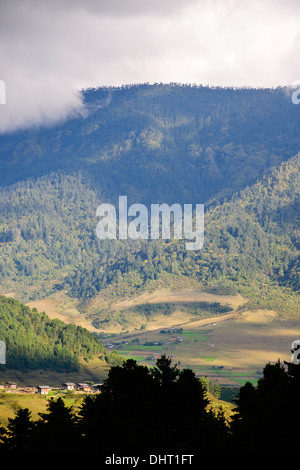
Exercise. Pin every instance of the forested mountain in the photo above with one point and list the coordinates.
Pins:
(48, 240)
(162, 143)
(252, 246)
(235, 150)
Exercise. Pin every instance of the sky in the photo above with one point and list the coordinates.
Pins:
(52, 49)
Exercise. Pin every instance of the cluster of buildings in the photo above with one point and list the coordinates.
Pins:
(68, 386)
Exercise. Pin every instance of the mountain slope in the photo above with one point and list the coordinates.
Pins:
(49, 243)
(252, 247)
(234, 150)
(33, 341)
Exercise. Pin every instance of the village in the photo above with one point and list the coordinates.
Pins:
(45, 389)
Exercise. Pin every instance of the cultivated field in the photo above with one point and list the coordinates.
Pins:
(229, 349)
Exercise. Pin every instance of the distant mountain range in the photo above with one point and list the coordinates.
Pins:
(234, 150)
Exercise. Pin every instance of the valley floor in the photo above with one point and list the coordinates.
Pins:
(230, 348)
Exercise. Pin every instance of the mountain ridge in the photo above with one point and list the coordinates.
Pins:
(179, 142)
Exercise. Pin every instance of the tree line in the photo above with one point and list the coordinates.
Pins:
(164, 410)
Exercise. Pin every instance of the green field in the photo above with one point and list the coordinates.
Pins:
(11, 402)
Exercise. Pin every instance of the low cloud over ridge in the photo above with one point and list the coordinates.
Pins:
(49, 51)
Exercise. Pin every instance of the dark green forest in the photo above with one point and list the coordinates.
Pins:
(34, 341)
(254, 237)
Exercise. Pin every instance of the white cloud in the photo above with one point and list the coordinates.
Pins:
(51, 50)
